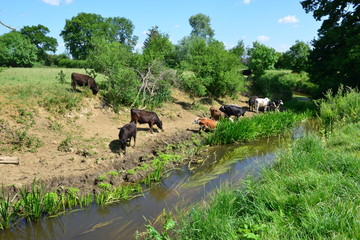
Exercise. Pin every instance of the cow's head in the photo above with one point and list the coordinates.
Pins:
(95, 89)
(123, 144)
(160, 125)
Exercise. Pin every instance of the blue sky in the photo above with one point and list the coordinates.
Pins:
(275, 23)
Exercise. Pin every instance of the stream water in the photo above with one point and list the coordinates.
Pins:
(230, 164)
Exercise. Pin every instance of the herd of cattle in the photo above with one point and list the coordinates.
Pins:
(129, 130)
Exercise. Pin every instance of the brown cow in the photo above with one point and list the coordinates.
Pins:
(84, 80)
(205, 123)
(127, 132)
(216, 114)
(143, 116)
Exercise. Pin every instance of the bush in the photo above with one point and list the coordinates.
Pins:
(69, 63)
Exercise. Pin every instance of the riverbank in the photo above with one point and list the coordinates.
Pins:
(312, 191)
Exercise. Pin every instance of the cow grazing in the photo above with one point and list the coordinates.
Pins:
(262, 102)
(275, 105)
(127, 132)
(84, 80)
(205, 123)
(216, 114)
(143, 116)
(232, 110)
(252, 103)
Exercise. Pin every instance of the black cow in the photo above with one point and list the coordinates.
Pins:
(232, 110)
(84, 80)
(275, 105)
(246, 72)
(143, 116)
(252, 103)
(127, 132)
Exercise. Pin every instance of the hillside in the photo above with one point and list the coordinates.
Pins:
(78, 146)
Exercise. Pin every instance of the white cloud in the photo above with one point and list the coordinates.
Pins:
(263, 38)
(246, 1)
(57, 2)
(177, 26)
(288, 19)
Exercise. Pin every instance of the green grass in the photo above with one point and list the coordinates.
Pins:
(246, 129)
(312, 192)
(26, 87)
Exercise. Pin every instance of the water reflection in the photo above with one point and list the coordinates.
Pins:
(231, 163)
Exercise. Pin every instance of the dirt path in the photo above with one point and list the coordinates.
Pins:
(97, 150)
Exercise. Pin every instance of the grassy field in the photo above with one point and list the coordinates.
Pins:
(29, 87)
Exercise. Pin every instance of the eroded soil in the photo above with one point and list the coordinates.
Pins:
(85, 145)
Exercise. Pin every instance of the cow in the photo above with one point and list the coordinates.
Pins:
(127, 132)
(143, 116)
(275, 105)
(252, 103)
(262, 102)
(205, 123)
(232, 110)
(246, 72)
(216, 114)
(84, 80)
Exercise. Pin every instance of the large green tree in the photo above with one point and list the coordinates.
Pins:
(336, 54)
(262, 58)
(16, 50)
(297, 58)
(79, 31)
(201, 27)
(37, 36)
(157, 46)
(213, 67)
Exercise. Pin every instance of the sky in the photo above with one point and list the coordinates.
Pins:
(274, 23)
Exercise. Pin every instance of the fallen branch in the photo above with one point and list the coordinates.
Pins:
(9, 160)
(7, 26)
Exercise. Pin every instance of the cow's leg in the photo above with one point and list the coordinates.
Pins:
(134, 140)
(73, 84)
(151, 127)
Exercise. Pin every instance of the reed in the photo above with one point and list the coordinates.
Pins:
(246, 129)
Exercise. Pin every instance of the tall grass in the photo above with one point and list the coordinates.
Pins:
(246, 129)
(339, 109)
(311, 193)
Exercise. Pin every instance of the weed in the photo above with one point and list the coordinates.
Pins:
(105, 186)
(61, 77)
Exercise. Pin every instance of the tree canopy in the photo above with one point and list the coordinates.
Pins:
(201, 27)
(336, 53)
(262, 58)
(37, 36)
(79, 31)
(16, 50)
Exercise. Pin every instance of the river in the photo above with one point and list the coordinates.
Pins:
(230, 164)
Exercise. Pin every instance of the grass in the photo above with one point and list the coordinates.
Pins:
(311, 193)
(26, 87)
(246, 129)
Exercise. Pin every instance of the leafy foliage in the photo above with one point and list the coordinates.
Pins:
(262, 58)
(337, 49)
(201, 27)
(17, 51)
(296, 58)
(79, 31)
(37, 36)
(214, 68)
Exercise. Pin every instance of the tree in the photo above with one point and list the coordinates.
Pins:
(215, 68)
(121, 30)
(79, 31)
(157, 45)
(297, 57)
(238, 50)
(200, 24)
(262, 58)
(37, 36)
(16, 50)
(336, 53)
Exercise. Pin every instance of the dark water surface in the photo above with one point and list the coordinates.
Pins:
(224, 164)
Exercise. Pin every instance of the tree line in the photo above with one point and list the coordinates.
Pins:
(199, 64)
